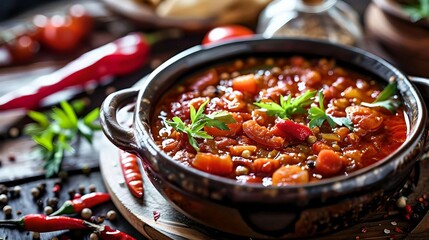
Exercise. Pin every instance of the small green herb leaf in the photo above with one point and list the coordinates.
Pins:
(386, 98)
(418, 11)
(54, 131)
(318, 115)
(198, 121)
(288, 106)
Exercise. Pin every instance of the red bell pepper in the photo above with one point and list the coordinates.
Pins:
(292, 129)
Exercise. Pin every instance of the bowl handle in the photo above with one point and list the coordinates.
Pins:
(122, 137)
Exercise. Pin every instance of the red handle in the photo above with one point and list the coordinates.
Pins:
(120, 57)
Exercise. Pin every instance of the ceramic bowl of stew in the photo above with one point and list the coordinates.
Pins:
(274, 138)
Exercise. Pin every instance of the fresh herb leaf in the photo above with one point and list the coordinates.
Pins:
(386, 98)
(288, 106)
(198, 121)
(54, 131)
(318, 115)
(418, 11)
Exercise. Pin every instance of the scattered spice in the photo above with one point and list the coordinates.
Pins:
(86, 213)
(56, 189)
(156, 215)
(394, 223)
(3, 199)
(386, 231)
(16, 191)
(7, 210)
(398, 230)
(71, 193)
(81, 189)
(93, 236)
(92, 188)
(401, 202)
(86, 169)
(36, 235)
(363, 229)
(111, 215)
(35, 192)
(48, 210)
(11, 157)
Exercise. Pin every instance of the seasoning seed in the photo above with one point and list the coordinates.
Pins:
(401, 202)
(386, 231)
(36, 235)
(93, 236)
(92, 188)
(48, 210)
(81, 189)
(3, 198)
(111, 215)
(7, 210)
(35, 192)
(86, 213)
(246, 153)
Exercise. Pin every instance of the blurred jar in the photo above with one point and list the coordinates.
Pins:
(330, 20)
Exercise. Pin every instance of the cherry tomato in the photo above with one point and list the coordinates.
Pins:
(81, 19)
(222, 33)
(60, 34)
(23, 49)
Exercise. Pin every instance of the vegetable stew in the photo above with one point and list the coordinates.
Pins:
(279, 121)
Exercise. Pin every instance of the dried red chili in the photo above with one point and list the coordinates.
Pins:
(131, 171)
(86, 201)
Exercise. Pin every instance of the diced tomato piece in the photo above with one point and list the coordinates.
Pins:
(297, 131)
(234, 128)
(266, 165)
(288, 175)
(328, 163)
(262, 135)
(245, 83)
(211, 163)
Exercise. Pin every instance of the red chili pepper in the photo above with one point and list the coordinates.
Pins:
(131, 172)
(107, 233)
(86, 201)
(120, 57)
(295, 130)
(42, 223)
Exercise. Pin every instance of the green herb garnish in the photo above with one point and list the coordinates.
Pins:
(54, 132)
(198, 121)
(318, 115)
(385, 98)
(418, 11)
(288, 106)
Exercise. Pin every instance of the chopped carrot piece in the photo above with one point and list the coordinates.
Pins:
(245, 83)
(289, 175)
(211, 163)
(328, 163)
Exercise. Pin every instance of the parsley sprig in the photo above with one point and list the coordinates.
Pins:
(385, 98)
(55, 131)
(318, 115)
(288, 106)
(198, 121)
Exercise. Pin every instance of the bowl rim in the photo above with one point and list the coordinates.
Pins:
(315, 188)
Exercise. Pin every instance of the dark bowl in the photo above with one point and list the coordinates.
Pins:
(257, 211)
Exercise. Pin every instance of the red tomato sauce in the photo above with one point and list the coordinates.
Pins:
(261, 148)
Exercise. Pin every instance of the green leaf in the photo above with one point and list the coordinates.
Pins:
(386, 98)
(91, 116)
(69, 111)
(40, 118)
(198, 121)
(318, 116)
(53, 132)
(288, 106)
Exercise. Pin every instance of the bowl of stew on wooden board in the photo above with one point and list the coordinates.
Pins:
(274, 138)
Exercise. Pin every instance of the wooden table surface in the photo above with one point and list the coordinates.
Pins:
(83, 166)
